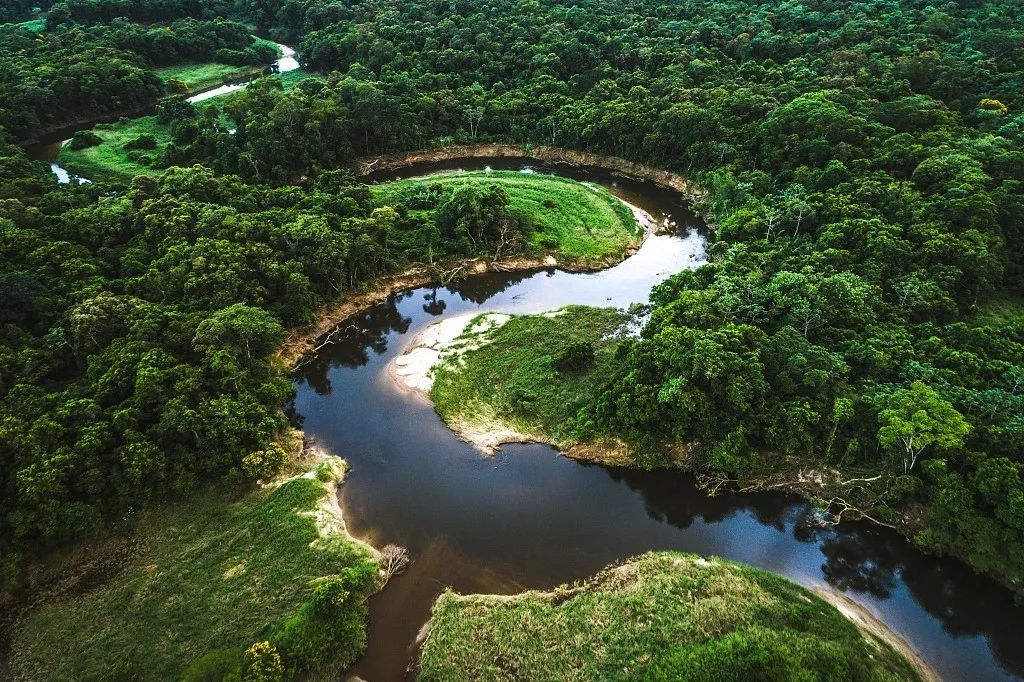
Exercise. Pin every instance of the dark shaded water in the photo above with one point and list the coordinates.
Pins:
(529, 518)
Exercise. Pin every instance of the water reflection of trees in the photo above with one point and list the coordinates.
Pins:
(673, 497)
(434, 306)
(857, 557)
(479, 288)
(352, 343)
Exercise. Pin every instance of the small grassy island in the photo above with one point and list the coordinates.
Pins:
(580, 223)
(203, 583)
(664, 615)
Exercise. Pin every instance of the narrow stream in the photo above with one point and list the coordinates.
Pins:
(529, 518)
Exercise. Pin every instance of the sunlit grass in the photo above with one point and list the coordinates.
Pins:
(515, 373)
(663, 616)
(570, 218)
(210, 574)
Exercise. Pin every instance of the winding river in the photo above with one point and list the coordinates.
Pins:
(530, 518)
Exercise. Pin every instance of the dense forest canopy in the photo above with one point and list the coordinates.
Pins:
(862, 308)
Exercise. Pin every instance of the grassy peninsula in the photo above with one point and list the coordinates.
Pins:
(578, 221)
(530, 375)
(664, 615)
(207, 579)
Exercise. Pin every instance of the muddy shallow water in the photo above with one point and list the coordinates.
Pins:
(529, 518)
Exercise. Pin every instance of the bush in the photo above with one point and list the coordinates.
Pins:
(84, 139)
(262, 664)
(576, 357)
(144, 141)
(329, 630)
(263, 464)
(175, 107)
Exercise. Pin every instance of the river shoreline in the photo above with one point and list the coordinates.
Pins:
(389, 162)
(302, 341)
(831, 488)
(872, 626)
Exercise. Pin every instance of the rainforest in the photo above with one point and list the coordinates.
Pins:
(515, 339)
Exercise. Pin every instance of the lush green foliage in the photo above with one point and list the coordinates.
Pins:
(208, 579)
(17, 10)
(137, 326)
(864, 172)
(663, 616)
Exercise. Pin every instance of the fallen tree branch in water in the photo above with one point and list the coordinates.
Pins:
(393, 560)
(847, 507)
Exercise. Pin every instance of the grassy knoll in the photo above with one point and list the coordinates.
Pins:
(574, 220)
(34, 25)
(208, 580)
(532, 374)
(662, 616)
(112, 159)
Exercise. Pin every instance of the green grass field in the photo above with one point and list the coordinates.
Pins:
(517, 377)
(109, 160)
(576, 221)
(212, 577)
(199, 77)
(663, 616)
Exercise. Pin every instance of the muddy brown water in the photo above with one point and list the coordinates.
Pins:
(529, 518)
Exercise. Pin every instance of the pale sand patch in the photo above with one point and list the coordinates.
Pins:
(871, 625)
(413, 369)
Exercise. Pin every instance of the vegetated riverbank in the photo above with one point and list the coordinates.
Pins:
(529, 378)
(502, 379)
(664, 615)
(615, 231)
(196, 583)
(113, 157)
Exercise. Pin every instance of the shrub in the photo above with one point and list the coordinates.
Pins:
(576, 357)
(144, 141)
(262, 664)
(262, 464)
(84, 139)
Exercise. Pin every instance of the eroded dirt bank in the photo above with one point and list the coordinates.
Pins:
(540, 152)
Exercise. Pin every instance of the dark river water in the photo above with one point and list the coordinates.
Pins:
(529, 518)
